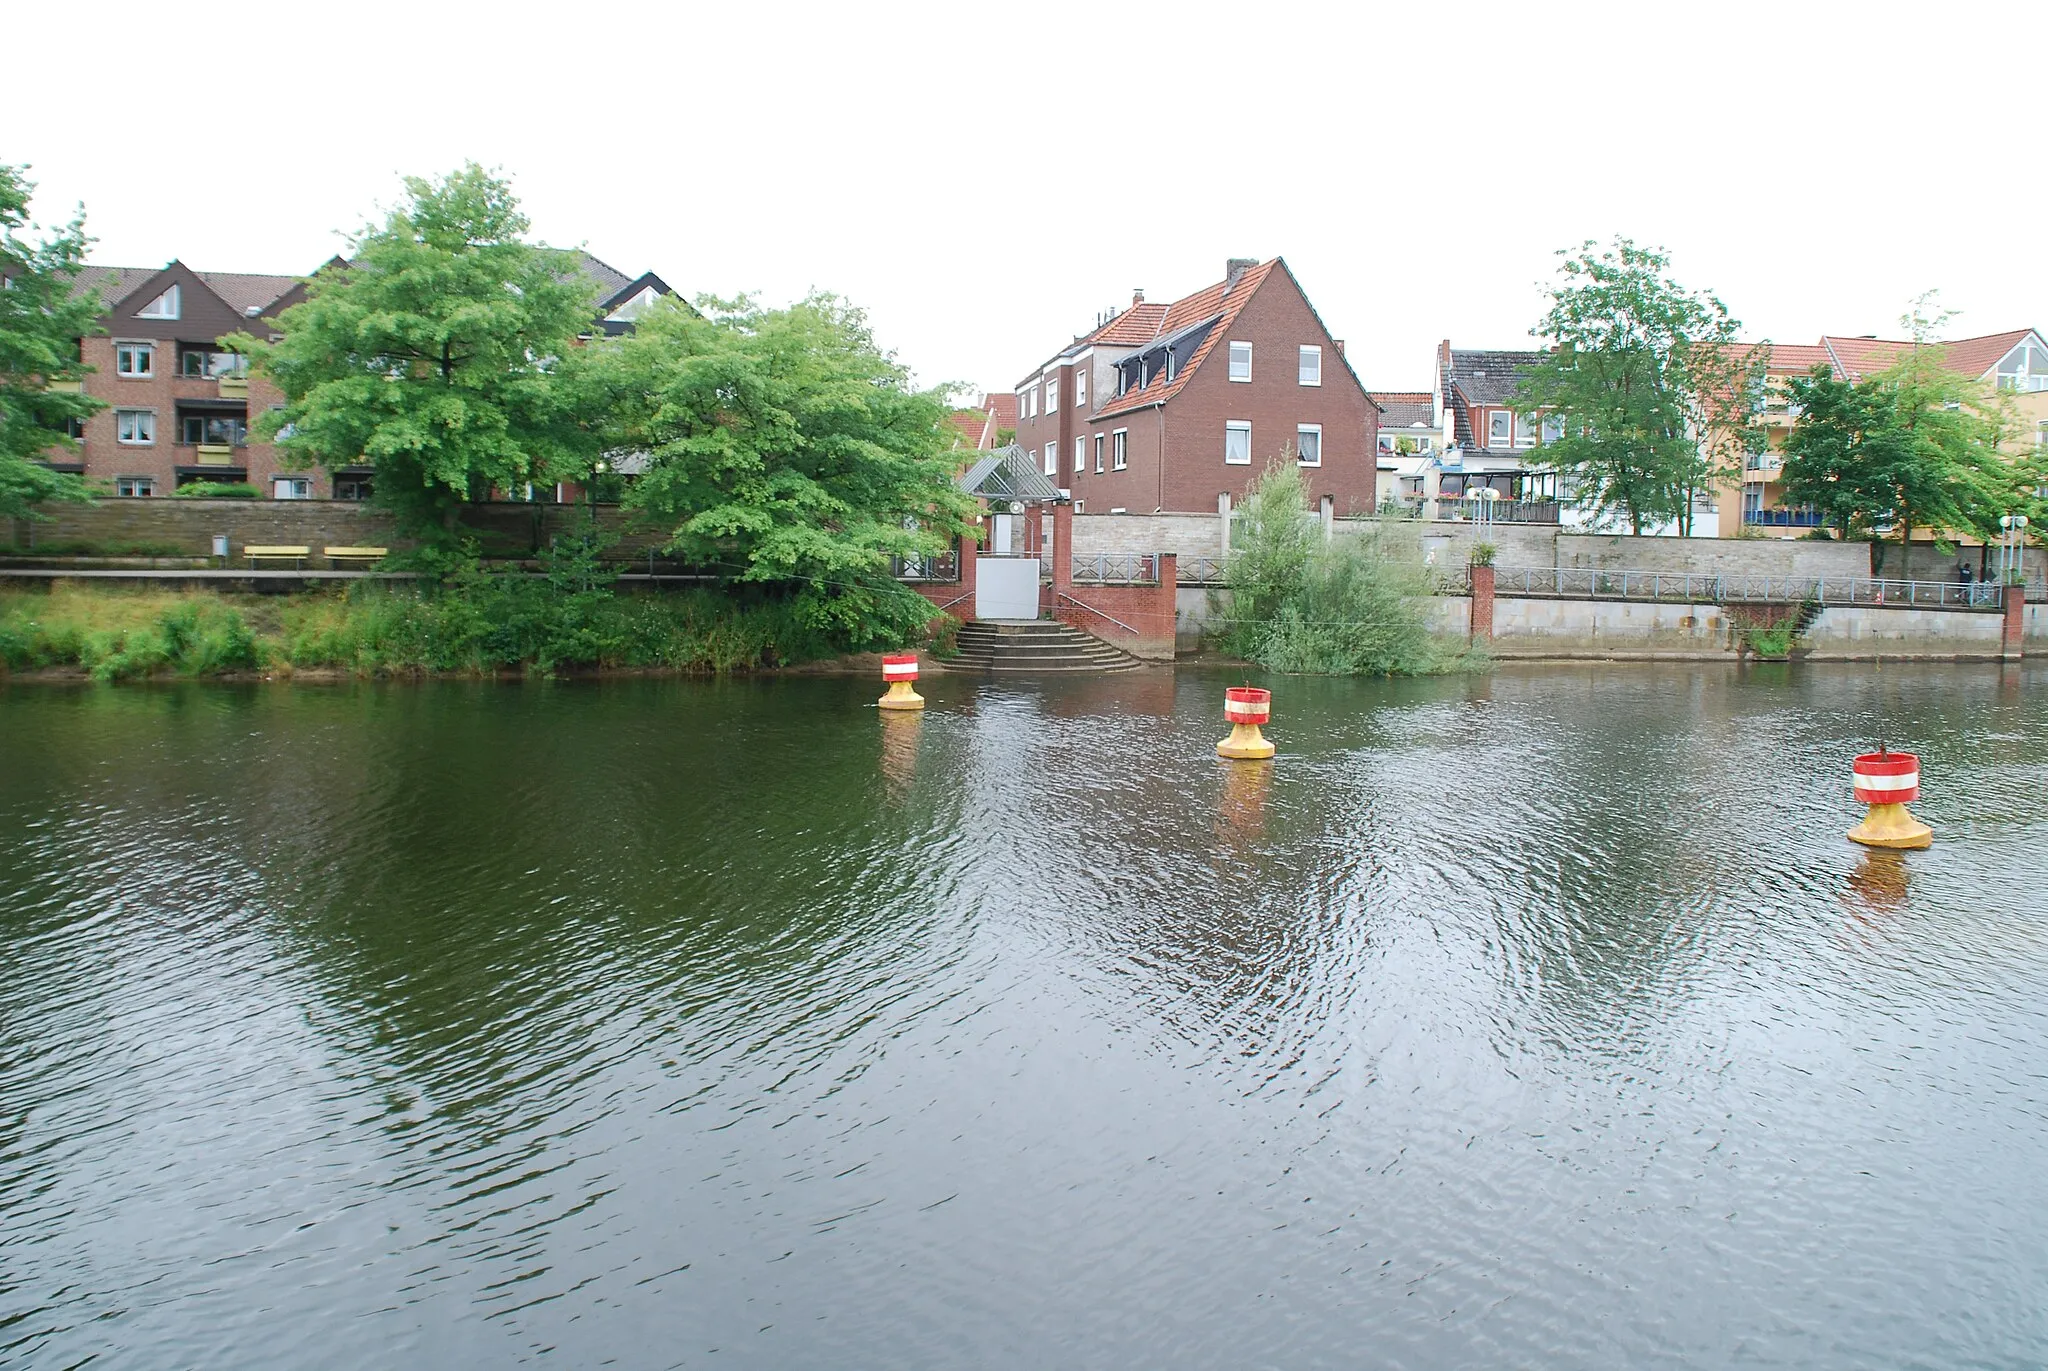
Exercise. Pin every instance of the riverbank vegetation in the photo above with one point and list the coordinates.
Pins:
(1351, 606)
(477, 625)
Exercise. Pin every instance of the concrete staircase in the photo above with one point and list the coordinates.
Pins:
(1043, 646)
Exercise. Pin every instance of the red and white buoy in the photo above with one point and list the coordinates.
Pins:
(1247, 708)
(1888, 782)
(899, 669)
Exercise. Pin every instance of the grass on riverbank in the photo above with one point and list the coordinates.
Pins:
(494, 625)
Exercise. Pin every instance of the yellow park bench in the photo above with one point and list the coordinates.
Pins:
(354, 555)
(276, 553)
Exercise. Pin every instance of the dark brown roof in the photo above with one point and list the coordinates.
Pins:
(1489, 377)
(240, 290)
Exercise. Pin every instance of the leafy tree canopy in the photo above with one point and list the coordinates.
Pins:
(40, 325)
(786, 450)
(1646, 380)
(438, 354)
(1914, 446)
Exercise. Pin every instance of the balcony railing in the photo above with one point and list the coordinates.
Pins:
(1121, 568)
(941, 566)
(1782, 518)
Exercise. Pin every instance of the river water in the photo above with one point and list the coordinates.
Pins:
(1543, 1019)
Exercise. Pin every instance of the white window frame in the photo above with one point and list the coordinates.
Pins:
(1310, 352)
(1052, 459)
(129, 346)
(1052, 395)
(139, 424)
(1098, 454)
(1231, 428)
(1031, 403)
(1300, 452)
(1080, 388)
(1552, 428)
(1234, 346)
(1119, 449)
(165, 306)
(135, 487)
(1525, 430)
(302, 487)
(1080, 452)
(1507, 420)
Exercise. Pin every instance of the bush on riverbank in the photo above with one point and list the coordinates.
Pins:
(1348, 607)
(477, 625)
(115, 635)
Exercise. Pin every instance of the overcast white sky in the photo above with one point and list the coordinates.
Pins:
(984, 181)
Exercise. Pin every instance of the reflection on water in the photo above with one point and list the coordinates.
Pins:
(1543, 1019)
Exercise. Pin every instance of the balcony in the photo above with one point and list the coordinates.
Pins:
(65, 387)
(1781, 518)
(214, 455)
(235, 386)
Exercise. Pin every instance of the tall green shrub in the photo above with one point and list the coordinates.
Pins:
(1352, 606)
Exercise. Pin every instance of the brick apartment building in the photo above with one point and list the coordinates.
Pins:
(1171, 407)
(179, 407)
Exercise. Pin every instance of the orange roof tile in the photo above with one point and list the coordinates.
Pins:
(969, 423)
(1211, 302)
(1976, 356)
(1002, 408)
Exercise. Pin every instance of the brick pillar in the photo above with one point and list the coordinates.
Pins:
(1482, 605)
(1167, 609)
(2010, 638)
(964, 610)
(1062, 551)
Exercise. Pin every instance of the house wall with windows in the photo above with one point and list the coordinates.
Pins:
(1171, 407)
(181, 409)
(1218, 421)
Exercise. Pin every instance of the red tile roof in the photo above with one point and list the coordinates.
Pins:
(970, 423)
(1002, 408)
(1217, 302)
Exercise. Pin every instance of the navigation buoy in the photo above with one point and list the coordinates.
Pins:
(899, 669)
(1247, 708)
(1888, 782)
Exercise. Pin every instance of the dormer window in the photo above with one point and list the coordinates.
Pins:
(1499, 428)
(165, 306)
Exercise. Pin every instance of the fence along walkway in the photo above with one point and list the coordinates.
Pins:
(1696, 588)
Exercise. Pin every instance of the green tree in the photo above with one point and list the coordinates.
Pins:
(1828, 453)
(1646, 381)
(1915, 446)
(41, 321)
(438, 355)
(784, 450)
(1940, 460)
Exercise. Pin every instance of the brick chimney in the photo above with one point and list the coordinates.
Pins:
(1138, 295)
(1236, 267)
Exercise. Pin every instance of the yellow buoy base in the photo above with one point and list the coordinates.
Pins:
(901, 696)
(1891, 826)
(1245, 744)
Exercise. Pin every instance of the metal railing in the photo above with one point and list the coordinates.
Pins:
(1698, 588)
(1201, 571)
(1117, 568)
(1782, 518)
(1458, 509)
(943, 566)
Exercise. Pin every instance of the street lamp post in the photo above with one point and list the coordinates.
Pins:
(2012, 544)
